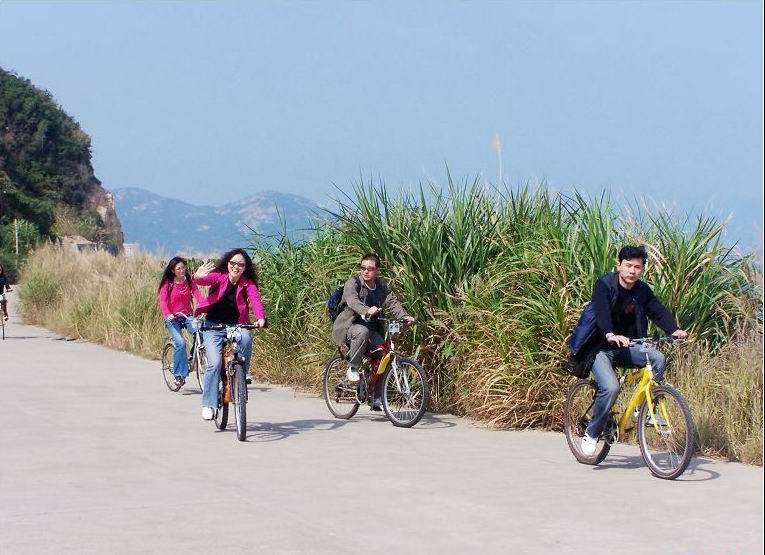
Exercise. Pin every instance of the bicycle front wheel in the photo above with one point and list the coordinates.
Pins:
(405, 392)
(168, 351)
(339, 393)
(667, 439)
(200, 365)
(239, 397)
(576, 417)
(221, 415)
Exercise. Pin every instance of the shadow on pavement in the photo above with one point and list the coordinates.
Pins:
(432, 421)
(621, 461)
(195, 390)
(274, 431)
(694, 473)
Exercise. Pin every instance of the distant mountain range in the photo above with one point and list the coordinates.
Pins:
(167, 226)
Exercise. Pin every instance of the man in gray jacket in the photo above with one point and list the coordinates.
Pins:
(364, 297)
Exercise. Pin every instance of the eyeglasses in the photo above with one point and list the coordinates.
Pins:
(367, 268)
(237, 264)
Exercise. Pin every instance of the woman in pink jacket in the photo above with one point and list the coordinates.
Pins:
(233, 293)
(175, 293)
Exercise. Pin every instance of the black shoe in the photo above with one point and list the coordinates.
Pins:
(377, 405)
(180, 380)
(248, 379)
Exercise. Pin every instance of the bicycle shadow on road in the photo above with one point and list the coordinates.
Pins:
(429, 421)
(694, 473)
(275, 431)
(436, 421)
(198, 391)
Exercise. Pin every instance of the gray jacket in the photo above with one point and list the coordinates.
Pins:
(355, 305)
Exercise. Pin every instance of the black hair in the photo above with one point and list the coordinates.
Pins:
(371, 256)
(249, 267)
(2, 270)
(629, 252)
(168, 276)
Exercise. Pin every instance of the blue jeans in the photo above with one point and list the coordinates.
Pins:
(214, 340)
(180, 357)
(608, 382)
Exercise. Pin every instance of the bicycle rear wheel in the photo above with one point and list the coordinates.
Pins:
(339, 393)
(239, 397)
(576, 417)
(666, 440)
(168, 352)
(405, 392)
(221, 414)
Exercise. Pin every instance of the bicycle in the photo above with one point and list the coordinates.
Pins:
(197, 360)
(405, 386)
(3, 309)
(232, 385)
(661, 415)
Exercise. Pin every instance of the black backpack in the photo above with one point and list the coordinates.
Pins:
(335, 304)
(585, 339)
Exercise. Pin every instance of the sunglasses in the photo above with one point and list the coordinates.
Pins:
(237, 264)
(367, 268)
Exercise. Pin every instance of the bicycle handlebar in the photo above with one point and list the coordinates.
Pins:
(214, 326)
(654, 340)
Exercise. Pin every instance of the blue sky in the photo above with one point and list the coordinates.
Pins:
(211, 101)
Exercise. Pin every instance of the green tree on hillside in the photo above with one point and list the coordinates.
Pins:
(44, 157)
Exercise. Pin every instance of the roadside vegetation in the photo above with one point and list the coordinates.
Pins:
(496, 280)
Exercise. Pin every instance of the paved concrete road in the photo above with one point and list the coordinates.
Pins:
(99, 457)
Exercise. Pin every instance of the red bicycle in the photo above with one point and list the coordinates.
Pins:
(405, 390)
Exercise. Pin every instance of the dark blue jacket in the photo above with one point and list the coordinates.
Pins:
(596, 319)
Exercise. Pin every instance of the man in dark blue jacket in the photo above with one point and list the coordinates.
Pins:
(623, 304)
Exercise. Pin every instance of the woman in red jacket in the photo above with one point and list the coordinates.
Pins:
(176, 290)
(233, 293)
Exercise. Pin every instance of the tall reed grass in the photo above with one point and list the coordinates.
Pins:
(496, 278)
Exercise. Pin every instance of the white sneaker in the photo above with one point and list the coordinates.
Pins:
(657, 419)
(207, 413)
(352, 375)
(589, 445)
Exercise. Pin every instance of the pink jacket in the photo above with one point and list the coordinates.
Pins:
(178, 302)
(246, 294)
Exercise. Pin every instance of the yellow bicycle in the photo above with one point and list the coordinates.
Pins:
(660, 413)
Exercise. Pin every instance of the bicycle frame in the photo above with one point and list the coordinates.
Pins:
(402, 380)
(231, 355)
(645, 382)
(388, 349)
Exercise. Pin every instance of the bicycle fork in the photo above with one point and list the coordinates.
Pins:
(402, 380)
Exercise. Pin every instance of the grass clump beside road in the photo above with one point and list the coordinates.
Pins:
(95, 296)
(496, 280)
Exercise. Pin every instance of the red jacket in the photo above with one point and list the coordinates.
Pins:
(247, 296)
